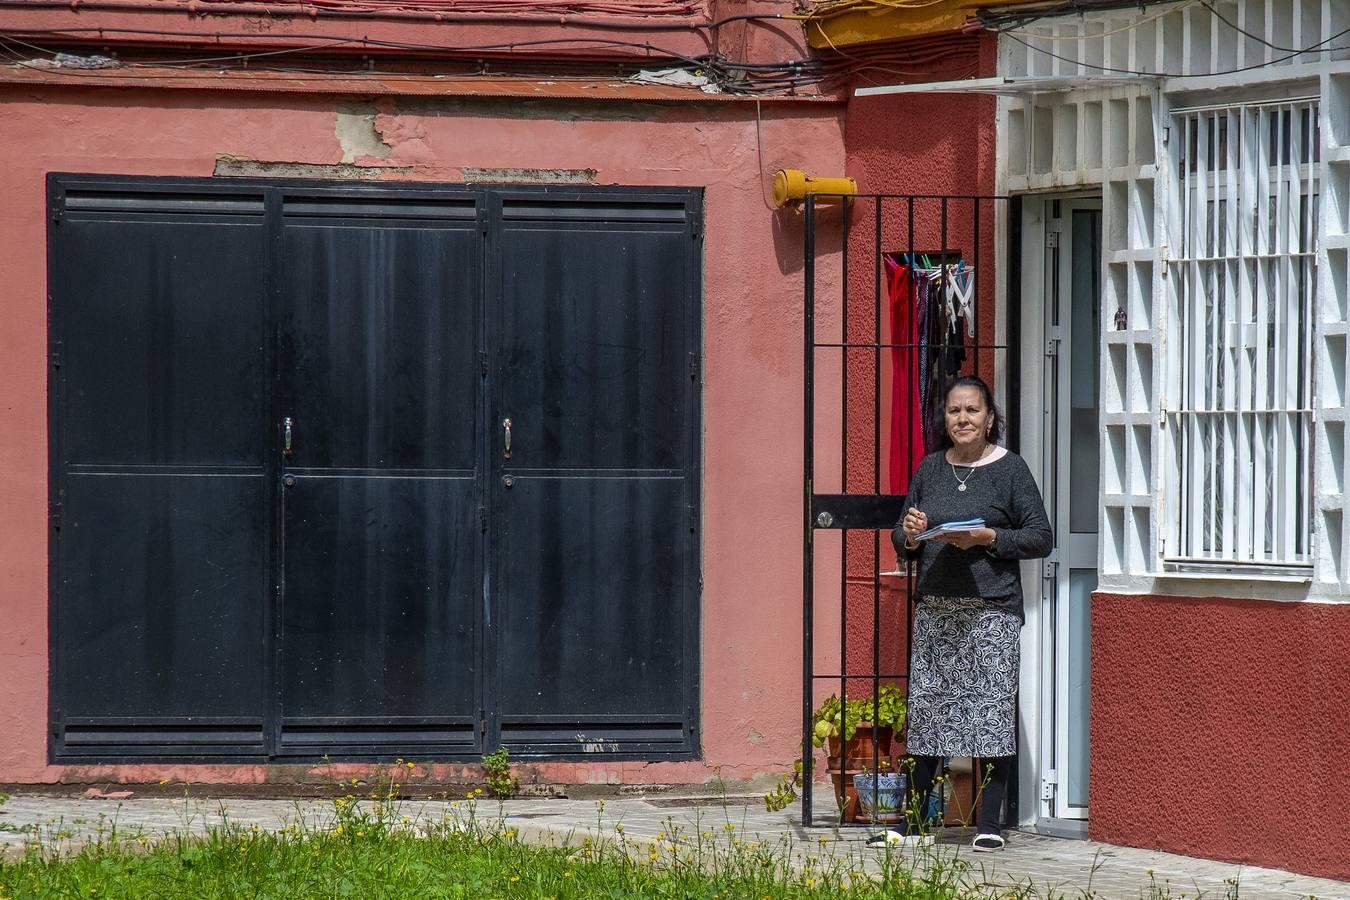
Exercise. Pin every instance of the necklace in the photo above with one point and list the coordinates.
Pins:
(961, 482)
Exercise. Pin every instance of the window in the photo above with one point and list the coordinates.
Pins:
(1238, 385)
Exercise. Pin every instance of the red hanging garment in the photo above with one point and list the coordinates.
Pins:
(907, 447)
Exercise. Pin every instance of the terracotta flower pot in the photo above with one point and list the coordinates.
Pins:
(845, 796)
(858, 751)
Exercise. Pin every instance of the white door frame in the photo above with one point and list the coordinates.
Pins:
(1037, 725)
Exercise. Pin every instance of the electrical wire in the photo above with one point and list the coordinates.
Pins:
(730, 75)
(1091, 37)
(548, 7)
(1147, 74)
(1245, 33)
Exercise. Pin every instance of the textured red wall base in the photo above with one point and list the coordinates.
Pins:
(1220, 728)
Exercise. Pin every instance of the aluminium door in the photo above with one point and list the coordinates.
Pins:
(1073, 499)
(594, 487)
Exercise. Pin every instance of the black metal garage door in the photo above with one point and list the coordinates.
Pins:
(363, 471)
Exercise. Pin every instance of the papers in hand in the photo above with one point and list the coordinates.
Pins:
(949, 528)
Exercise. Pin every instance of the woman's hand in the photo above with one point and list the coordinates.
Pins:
(969, 540)
(914, 523)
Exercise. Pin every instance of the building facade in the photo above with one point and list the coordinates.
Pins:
(414, 382)
(1177, 253)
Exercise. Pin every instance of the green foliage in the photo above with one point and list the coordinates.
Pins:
(499, 778)
(368, 848)
(833, 719)
(830, 720)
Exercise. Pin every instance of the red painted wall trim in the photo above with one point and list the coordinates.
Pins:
(1219, 729)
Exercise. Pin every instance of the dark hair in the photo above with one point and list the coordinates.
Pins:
(996, 415)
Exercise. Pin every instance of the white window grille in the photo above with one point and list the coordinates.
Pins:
(1239, 375)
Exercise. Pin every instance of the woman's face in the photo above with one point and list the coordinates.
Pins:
(968, 419)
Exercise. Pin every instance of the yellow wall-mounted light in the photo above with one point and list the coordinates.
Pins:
(794, 184)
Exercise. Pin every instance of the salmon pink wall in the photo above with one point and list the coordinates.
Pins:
(752, 359)
(1219, 729)
(408, 31)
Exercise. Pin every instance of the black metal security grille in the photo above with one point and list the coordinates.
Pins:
(859, 437)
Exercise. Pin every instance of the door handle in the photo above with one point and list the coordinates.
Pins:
(506, 438)
(287, 425)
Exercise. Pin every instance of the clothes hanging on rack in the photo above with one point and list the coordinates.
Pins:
(907, 438)
(941, 316)
(929, 317)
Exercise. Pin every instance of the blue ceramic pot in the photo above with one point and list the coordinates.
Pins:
(886, 802)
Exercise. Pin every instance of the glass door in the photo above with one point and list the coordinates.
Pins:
(1073, 453)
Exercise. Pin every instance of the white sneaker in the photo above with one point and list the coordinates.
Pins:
(891, 838)
(987, 843)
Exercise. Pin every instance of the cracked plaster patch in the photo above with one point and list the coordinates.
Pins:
(357, 133)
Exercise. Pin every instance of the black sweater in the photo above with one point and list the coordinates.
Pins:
(1005, 495)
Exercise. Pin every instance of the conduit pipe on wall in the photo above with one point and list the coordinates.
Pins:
(794, 184)
(246, 8)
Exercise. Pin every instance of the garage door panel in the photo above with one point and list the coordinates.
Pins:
(163, 594)
(594, 344)
(380, 608)
(163, 326)
(594, 593)
(380, 342)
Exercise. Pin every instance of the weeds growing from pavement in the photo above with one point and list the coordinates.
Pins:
(368, 847)
(501, 781)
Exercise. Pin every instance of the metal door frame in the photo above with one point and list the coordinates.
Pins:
(273, 191)
(1044, 676)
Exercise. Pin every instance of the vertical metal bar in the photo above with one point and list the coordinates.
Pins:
(943, 249)
(917, 393)
(1292, 371)
(876, 489)
(1244, 200)
(1218, 286)
(1231, 335)
(1195, 382)
(910, 401)
(975, 291)
(1308, 318)
(844, 488)
(1279, 363)
(1261, 398)
(808, 463)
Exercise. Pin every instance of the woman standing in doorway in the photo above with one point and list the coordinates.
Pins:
(965, 651)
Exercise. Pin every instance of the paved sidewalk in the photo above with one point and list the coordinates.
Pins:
(1049, 865)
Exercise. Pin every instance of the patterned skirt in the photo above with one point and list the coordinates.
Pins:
(963, 679)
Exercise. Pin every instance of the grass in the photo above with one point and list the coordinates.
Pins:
(368, 849)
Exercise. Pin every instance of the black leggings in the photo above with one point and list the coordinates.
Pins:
(995, 789)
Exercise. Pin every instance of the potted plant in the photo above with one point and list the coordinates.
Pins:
(845, 730)
(880, 796)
